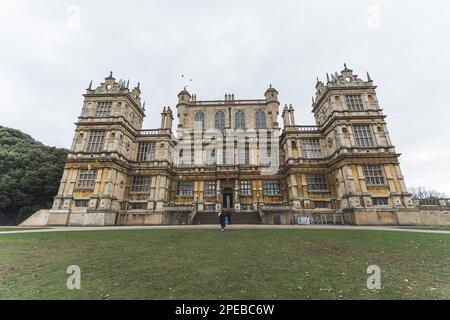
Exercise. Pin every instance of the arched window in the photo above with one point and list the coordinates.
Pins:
(260, 118)
(199, 120)
(240, 120)
(220, 120)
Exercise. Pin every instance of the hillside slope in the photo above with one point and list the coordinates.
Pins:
(29, 175)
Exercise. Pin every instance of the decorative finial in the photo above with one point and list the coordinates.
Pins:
(345, 66)
(369, 79)
(90, 85)
(313, 100)
(139, 85)
(270, 85)
(143, 106)
(328, 77)
(128, 84)
(110, 74)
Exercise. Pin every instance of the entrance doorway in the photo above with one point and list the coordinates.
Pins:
(228, 198)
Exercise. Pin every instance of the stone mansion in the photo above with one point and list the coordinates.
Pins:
(232, 155)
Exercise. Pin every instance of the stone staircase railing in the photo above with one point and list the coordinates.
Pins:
(192, 216)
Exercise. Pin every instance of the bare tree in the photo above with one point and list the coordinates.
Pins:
(422, 192)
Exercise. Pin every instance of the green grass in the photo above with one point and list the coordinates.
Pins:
(236, 264)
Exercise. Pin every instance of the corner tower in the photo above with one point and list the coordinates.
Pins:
(96, 171)
(365, 169)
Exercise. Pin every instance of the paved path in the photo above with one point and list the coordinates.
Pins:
(233, 227)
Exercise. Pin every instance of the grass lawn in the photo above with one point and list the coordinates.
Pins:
(235, 264)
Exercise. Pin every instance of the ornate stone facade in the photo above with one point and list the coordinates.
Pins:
(231, 155)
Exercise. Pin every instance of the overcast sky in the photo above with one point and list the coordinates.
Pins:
(51, 50)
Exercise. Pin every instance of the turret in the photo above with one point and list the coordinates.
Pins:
(272, 105)
(183, 101)
(271, 94)
(184, 96)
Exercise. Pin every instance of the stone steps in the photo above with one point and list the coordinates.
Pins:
(236, 218)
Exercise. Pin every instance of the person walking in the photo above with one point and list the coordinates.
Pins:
(222, 220)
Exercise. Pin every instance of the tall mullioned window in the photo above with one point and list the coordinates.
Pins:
(185, 188)
(103, 109)
(373, 174)
(140, 184)
(199, 120)
(317, 182)
(86, 180)
(228, 156)
(210, 188)
(354, 102)
(96, 140)
(260, 119)
(363, 136)
(146, 151)
(220, 120)
(240, 120)
(311, 148)
(271, 187)
(244, 156)
(186, 158)
(245, 188)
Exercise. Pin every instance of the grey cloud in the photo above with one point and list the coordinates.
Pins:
(231, 46)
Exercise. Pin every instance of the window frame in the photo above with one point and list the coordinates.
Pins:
(210, 188)
(199, 117)
(354, 102)
(146, 151)
(103, 109)
(260, 119)
(134, 205)
(363, 135)
(185, 189)
(219, 120)
(374, 175)
(78, 202)
(245, 188)
(376, 203)
(96, 141)
(317, 183)
(311, 148)
(239, 122)
(140, 184)
(272, 188)
(86, 179)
